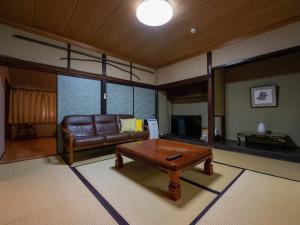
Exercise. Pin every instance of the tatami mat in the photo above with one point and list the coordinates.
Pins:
(35, 189)
(265, 165)
(138, 193)
(93, 155)
(257, 199)
(221, 177)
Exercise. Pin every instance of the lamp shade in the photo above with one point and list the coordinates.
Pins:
(154, 12)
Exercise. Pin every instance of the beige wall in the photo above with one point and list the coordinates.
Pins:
(91, 67)
(3, 75)
(281, 38)
(283, 72)
(186, 69)
(29, 51)
(34, 52)
(145, 77)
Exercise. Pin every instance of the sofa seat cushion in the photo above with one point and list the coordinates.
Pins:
(117, 137)
(88, 140)
(139, 135)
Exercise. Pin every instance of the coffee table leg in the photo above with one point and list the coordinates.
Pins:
(119, 161)
(208, 167)
(174, 192)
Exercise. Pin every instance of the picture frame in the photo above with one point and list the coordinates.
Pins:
(264, 96)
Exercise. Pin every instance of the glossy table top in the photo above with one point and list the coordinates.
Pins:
(156, 151)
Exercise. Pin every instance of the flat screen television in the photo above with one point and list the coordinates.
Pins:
(186, 126)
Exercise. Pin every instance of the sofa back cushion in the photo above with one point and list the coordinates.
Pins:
(123, 116)
(106, 124)
(79, 125)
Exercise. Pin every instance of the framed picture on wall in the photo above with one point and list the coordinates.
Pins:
(264, 96)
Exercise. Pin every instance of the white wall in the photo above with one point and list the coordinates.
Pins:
(91, 67)
(29, 51)
(145, 77)
(3, 74)
(278, 39)
(34, 52)
(186, 69)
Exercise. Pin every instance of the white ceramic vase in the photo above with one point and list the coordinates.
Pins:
(261, 128)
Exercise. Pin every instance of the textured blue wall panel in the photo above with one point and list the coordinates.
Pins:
(144, 103)
(119, 99)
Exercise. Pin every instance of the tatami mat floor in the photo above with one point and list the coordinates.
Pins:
(46, 191)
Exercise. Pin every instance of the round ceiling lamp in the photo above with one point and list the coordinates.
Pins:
(154, 12)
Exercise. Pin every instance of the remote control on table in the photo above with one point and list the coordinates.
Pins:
(173, 157)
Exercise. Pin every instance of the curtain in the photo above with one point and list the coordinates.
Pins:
(29, 106)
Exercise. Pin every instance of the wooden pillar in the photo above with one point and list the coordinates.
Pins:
(210, 100)
(69, 57)
(103, 87)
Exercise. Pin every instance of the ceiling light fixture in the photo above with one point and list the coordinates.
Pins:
(154, 12)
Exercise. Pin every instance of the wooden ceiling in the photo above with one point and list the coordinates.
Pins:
(111, 25)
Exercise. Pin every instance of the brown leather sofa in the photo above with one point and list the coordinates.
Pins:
(82, 132)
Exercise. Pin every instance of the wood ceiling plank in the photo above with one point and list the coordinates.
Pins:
(17, 11)
(115, 28)
(119, 22)
(88, 17)
(185, 42)
(181, 30)
(270, 17)
(53, 15)
(140, 32)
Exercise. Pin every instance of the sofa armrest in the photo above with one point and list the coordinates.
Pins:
(67, 135)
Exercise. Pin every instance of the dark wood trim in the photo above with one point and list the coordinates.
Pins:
(31, 89)
(210, 100)
(260, 57)
(103, 87)
(131, 76)
(69, 56)
(156, 106)
(57, 125)
(22, 64)
(69, 50)
(180, 83)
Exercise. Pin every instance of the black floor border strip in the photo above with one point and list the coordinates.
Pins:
(272, 175)
(200, 186)
(111, 210)
(93, 162)
(216, 199)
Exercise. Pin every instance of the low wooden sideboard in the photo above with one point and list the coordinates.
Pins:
(265, 138)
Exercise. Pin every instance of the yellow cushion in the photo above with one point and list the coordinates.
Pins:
(139, 125)
(128, 125)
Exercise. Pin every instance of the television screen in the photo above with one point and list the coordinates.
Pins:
(186, 126)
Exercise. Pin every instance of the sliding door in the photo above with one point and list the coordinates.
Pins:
(119, 99)
(144, 103)
(77, 96)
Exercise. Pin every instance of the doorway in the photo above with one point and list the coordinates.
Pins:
(30, 114)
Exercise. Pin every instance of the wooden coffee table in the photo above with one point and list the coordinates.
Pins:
(156, 151)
